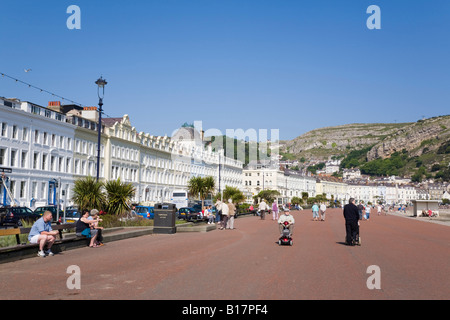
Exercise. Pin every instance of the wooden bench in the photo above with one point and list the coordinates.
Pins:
(19, 231)
(11, 232)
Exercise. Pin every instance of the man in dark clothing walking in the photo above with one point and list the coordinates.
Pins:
(351, 216)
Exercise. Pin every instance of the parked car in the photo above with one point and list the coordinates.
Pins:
(129, 216)
(189, 214)
(13, 216)
(197, 207)
(72, 214)
(40, 211)
(202, 216)
(145, 211)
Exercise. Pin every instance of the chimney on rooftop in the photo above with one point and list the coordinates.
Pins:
(90, 113)
(55, 106)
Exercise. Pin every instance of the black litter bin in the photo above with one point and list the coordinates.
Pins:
(164, 218)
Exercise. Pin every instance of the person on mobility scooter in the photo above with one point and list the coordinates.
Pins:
(286, 225)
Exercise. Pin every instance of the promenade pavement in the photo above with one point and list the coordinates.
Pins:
(247, 264)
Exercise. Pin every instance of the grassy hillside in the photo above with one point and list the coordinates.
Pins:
(418, 150)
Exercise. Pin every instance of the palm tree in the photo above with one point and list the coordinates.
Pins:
(268, 195)
(296, 200)
(119, 195)
(88, 193)
(210, 184)
(234, 194)
(201, 187)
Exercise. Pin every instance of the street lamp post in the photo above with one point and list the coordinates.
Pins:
(101, 83)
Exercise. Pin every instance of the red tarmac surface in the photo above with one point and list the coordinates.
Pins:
(247, 264)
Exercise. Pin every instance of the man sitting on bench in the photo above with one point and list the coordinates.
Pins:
(42, 233)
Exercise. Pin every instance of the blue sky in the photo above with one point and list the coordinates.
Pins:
(291, 65)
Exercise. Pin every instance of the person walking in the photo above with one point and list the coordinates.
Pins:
(42, 233)
(351, 216)
(315, 210)
(360, 210)
(367, 215)
(225, 212)
(323, 208)
(274, 210)
(218, 205)
(252, 210)
(263, 207)
(231, 213)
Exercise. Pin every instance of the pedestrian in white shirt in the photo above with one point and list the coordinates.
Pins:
(323, 208)
(263, 207)
(225, 212)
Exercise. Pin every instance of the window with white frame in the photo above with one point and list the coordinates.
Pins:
(77, 166)
(34, 190)
(24, 159)
(3, 128)
(44, 162)
(25, 134)
(15, 132)
(35, 160)
(2, 156)
(13, 160)
(23, 185)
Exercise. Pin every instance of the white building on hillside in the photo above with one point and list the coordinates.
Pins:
(266, 175)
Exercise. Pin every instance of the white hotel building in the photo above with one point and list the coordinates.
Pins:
(36, 144)
(49, 146)
(266, 175)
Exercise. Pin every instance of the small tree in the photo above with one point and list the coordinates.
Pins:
(268, 195)
(119, 195)
(305, 196)
(201, 187)
(296, 200)
(234, 194)
(88, 193)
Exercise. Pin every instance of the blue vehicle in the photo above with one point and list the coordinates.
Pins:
(145, 211)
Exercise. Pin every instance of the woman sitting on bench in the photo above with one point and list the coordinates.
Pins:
(83, 229)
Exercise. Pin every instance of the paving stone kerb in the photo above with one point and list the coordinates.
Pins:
(113, 234)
